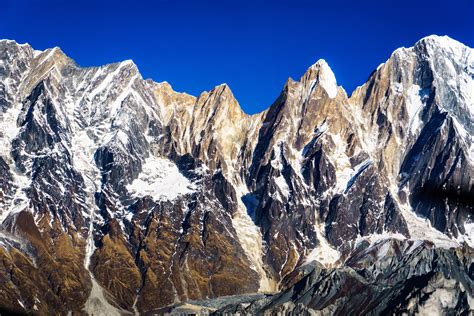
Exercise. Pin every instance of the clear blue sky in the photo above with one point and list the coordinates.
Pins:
(254, 46)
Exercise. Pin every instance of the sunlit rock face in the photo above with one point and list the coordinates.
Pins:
(120, 195)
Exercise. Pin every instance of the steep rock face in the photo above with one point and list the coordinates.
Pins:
(118, 194)
(420, 112)
(310, 173)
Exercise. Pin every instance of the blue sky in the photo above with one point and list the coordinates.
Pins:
(253, 46)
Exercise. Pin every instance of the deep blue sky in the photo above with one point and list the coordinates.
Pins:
(254, 46)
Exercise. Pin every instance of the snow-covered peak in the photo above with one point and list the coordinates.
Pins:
(443, 46)
(128, 62)
(12, 52)
(51, 54)
(444, 41)
(438, 62)
(320, 73)
(327, 79)
(452, 64)
(433, 45)
(13, 42)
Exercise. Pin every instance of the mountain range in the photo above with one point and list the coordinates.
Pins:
(119, 195)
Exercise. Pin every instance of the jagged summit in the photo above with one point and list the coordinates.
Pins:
(320, 73)
(226, 97)
(440, 41)
(9, 41)
(320, 70)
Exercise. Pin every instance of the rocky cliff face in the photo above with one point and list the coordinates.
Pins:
(119, 195)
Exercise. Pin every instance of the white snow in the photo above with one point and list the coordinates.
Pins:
(282, 185)
(414, 105)
(276, 163)
(440, 300)
(113, 137)
(46, 55)
(118, 102)
(324, 253)
(397, 87)
(20, 201)
(8, 131)
(453, 69)
(250, 239)
(161, 180)
(82, 149)
(416, 244)
(21, 303)
(467, 89)
(468, 237)
(327, 80)
(466, 137)
(374, 239)
(107, 82)
(420, 228)
(323, 128)
(341, 162)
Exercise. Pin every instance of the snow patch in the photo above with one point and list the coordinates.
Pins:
(327, 80)
(324, 253)
(276, 163)
(440, 300)
(282, 185)
(8, 131)
(250, 239)
(161, 180)
(414, 105)
(420, 228)
(466, 137)
(344, 171)
(374, 239)
(468, 237)
(397, 87)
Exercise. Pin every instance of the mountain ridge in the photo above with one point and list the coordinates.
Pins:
(427, 38)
